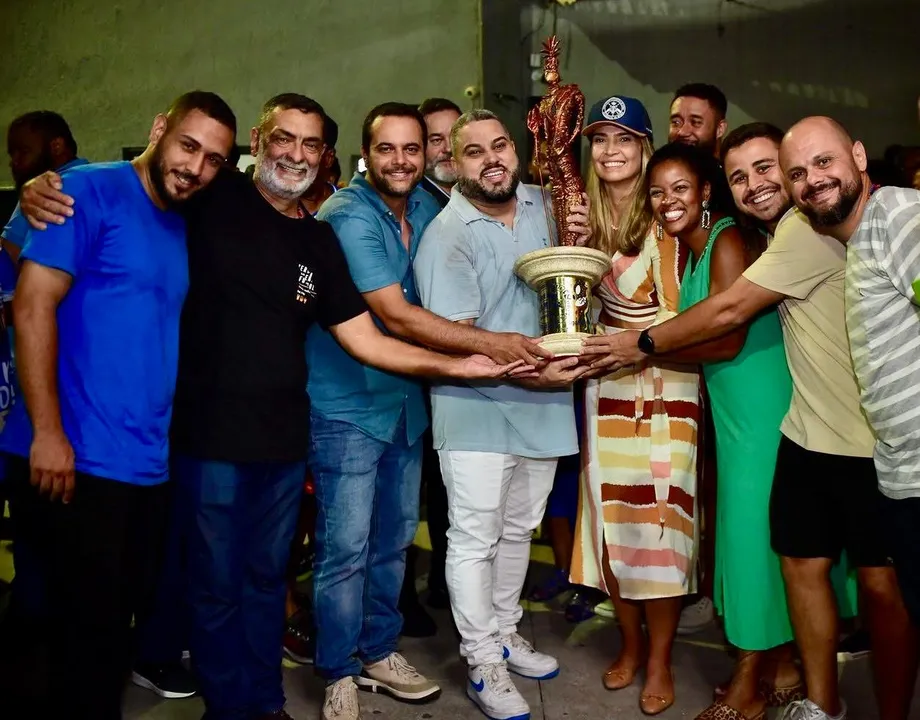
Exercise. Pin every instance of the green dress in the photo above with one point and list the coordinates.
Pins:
(749, 396)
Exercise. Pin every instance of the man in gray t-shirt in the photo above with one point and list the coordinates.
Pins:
(498, 444)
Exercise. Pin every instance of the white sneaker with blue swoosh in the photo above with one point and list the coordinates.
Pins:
(491, 688)
(524, 660)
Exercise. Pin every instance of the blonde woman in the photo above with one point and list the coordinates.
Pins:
(637, 530)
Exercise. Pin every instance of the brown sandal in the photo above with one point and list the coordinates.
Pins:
(619, 678)
(780, 696)
(653, 703)
(721, 711)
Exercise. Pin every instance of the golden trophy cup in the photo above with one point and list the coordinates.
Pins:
(563, 276)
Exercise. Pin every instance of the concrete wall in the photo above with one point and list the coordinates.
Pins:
(109, 67)
(776, 60)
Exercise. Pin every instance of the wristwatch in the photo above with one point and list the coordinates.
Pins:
(645, 343)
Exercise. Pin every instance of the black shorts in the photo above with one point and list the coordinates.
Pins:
(823, 504)
(903, 518)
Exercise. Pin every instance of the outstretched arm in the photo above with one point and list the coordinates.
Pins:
(713, 318)
(415, 323)
(362, 339)
(729, 260)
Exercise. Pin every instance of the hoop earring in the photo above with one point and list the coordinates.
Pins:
(659, 234)
(707, 216)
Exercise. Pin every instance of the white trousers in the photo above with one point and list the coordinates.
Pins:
(495, 502)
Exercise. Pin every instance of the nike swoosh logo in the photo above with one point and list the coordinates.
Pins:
(478, 687)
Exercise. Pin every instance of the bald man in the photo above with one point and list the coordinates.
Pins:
(825, 495)
(826, 173)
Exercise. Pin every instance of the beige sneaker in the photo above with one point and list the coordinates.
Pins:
(396, 677)
(341, 701)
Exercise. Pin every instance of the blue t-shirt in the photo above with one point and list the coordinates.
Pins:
(118, 325)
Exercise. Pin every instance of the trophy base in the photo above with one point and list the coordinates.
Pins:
(563, 344)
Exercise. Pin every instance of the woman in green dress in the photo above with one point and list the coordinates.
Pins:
(749, 389)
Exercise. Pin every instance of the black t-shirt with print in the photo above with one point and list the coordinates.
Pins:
(257, 281)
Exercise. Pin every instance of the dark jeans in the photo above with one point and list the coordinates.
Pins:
(243, 517)
(367, 492)
(99, 556)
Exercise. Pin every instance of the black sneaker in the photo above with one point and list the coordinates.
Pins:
(853, 646)
(299, 643)
(171, 681)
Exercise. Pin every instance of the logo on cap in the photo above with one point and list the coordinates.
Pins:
(613, 109)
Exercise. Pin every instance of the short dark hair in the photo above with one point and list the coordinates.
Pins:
(703, 165)
(49, 124)
(433, 105)
(293, 101)
(704, 91)
(743, 133)
(330, 132)
(209, 103)
(391, 109)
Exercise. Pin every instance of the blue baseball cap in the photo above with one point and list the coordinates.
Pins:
(624, 112)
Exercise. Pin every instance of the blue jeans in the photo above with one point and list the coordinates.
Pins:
(242, 524)
(367, 492)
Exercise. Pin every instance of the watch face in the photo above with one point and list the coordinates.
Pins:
(646, 344)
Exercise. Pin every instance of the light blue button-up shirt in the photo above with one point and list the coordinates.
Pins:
(465, 271)
(339, 386)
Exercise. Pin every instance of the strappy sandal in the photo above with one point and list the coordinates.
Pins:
(721, 711)
(780, 696)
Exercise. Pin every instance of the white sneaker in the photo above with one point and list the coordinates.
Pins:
(396, 677)
(807, 710)
(491, 688)
(523, 660)
(696, 617)
(341, 701)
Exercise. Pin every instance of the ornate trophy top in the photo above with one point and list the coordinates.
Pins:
(551, 60)
(555, 123)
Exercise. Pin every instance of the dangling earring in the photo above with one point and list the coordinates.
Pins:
(707, 218)
(658, 232)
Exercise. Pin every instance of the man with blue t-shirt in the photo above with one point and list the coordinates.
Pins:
(97, 332)
(498, 443)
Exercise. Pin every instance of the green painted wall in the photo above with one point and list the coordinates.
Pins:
(109, 67)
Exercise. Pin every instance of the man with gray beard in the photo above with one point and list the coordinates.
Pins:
(440, 114)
